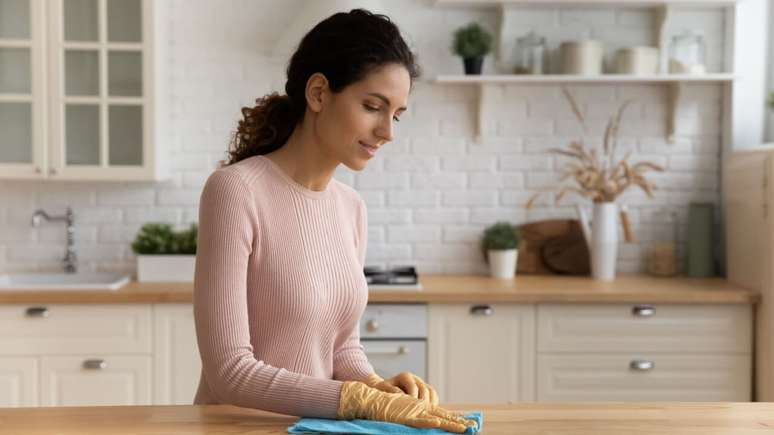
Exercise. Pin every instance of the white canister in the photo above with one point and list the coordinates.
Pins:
(637, 60)
(582, 57)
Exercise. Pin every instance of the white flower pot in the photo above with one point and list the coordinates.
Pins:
(165, 268)
(502, 263)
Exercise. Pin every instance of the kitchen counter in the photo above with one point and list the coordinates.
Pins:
(511, 419)
(455, 289)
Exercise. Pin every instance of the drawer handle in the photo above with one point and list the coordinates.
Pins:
(644, 310)
(401, 350)
(641, 365)
(481, 310)
(37, 312)
(372, 325)
(95, 364)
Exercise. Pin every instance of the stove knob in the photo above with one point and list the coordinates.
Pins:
(372, 325)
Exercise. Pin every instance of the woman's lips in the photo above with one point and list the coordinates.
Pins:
(370, 149)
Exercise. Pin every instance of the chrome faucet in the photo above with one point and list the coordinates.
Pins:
(70, 259)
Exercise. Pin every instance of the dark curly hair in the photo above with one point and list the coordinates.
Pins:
(344, 47)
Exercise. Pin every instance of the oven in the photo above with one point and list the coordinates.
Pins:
(394, 337)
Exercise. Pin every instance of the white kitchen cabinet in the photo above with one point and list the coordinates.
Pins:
(632, 352)
(62, 354)
(18, 381)
(95, 379)
(482, 353)
(77, 86)
(177, 365)
(643, 376)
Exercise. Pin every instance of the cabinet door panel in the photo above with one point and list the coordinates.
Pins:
(81, 381)
(18, 381)
(177, 364)
(482, 354)
(610, 377)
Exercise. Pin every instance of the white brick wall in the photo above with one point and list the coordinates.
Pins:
(432, 191)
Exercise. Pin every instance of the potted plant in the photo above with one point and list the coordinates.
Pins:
(165, 255)
(472, 43)
(501, 241)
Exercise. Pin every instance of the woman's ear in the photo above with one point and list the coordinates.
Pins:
(316, 89)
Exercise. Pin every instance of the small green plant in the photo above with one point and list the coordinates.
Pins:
(500, 236)
(770, 100)
(161, 239)
(472, 41)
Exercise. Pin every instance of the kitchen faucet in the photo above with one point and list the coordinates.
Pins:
(70, 260)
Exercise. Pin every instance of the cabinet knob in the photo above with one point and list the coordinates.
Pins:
(38, 170)
(37, 312)
(95, 364)
(481, 310)
(641, 365)
(403, 350)
(372, 325)
(52, 171)
(643, 310)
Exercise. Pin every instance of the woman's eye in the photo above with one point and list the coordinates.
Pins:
(371, 108)
(396, 118)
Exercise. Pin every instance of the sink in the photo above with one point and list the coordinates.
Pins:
(62, 281)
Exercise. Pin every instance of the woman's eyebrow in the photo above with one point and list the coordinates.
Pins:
(385, 99)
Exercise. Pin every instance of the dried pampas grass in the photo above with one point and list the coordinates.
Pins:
(595, 175)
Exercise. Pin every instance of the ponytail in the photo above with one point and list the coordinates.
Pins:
(265, 127)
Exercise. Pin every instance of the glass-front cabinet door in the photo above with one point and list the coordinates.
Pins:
(99, 91)
(22, 81)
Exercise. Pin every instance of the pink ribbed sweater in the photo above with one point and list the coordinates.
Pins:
(279, 290)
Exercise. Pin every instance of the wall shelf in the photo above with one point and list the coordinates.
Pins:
(588, 3)
(676, 83)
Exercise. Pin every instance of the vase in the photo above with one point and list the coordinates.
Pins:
(602, 238)
(502, 263)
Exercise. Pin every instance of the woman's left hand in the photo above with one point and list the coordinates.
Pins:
(404, 382)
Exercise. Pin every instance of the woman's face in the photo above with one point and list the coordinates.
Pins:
(353, 124)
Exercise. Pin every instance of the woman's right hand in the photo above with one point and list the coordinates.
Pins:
(358, 400)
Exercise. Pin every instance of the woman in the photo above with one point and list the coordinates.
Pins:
(279, 285)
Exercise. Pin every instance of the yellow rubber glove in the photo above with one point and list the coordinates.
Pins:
(358, 400)
(404, 382)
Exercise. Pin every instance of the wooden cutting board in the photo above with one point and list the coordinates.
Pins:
(553, 247)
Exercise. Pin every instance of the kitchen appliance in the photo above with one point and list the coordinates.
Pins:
(394, 338)
(748, 196)
(396, 278)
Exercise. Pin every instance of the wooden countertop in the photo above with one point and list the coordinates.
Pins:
(456, 289)
(511, 419)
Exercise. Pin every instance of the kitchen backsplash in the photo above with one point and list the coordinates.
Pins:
(432, 191)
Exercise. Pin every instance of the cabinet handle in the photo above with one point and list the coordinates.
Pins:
(37, 312)
(95, 364)
(481, 310)
(644, 310)
(38, 170)
(52, 171)
(401, 350)
(372, 325)
(641, 365)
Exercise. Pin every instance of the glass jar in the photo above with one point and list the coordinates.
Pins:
(662, 255)
(530, 54)
(687, 53)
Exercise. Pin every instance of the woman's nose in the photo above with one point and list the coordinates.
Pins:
(384, 130)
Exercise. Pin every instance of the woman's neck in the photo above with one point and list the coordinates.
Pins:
(301, 158)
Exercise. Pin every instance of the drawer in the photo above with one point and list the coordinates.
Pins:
(394, 321)
(91, 380)
(639, 328)
(392, 357)
(67, 329)
(609, 377)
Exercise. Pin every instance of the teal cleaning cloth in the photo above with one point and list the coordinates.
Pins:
(370, 427)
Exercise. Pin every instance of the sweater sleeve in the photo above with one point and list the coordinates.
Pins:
(350, 362)
(227, 229)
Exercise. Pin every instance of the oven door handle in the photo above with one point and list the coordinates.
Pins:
(400, 350)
